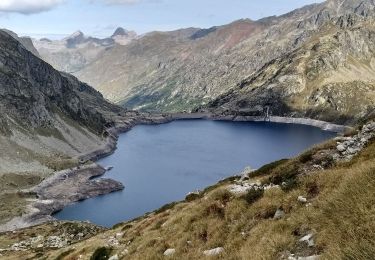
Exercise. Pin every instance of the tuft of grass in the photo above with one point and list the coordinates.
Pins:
(64, 254)
(215, 209)
(58, 164)
(222, 195)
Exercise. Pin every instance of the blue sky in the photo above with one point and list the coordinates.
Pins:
(58, 18)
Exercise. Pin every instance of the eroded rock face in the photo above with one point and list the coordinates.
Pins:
(32, 91)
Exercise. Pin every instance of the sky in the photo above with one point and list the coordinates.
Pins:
(59, 18)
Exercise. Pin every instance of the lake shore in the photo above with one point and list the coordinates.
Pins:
(275, 119)
(72, 185)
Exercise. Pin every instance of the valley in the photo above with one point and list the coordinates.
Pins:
(180, 114)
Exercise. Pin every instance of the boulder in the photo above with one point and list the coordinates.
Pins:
(119, 235)
(312, 257)
(115, 257)
(169, 252)
(279, 214)
(341, 148)
(302, 199)
(308, 239)
(213, 252)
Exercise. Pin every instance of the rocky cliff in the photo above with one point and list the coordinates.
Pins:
(25, 41)
(44, 113)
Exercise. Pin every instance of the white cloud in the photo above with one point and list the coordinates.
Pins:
(28, 6)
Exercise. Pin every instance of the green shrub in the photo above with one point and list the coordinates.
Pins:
(101, 253)
(268, 168)
(284, 174)
(306, 157)
(289, 184)
(192, 196)
(253, 195)
(166, 207)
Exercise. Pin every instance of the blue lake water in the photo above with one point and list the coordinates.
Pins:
(159, 164)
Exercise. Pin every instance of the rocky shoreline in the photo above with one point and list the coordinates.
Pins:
(275, 119)
(59, 190)
(73, 185)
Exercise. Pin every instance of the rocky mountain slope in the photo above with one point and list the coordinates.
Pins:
(330, 76)
(48, 121)
(310, 61)
(42, 104)
(27, 42)
(76, 51)
(170, 71)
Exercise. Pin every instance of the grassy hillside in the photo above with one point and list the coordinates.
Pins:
(319, 203)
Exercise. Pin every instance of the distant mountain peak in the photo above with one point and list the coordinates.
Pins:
(120, 32)
(45, 40)
(122, 36)
(75, 35)
(76, 38)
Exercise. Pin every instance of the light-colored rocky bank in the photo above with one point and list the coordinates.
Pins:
(275, 119)
(72, 185)
(59, 190)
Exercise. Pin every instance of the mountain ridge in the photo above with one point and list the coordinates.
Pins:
(158, 72)
(77, 50)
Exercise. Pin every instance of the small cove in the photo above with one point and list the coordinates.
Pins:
(159, 164)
